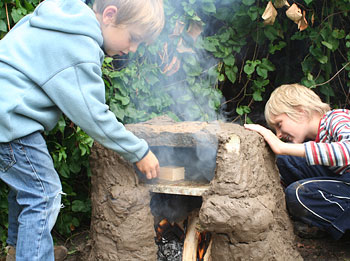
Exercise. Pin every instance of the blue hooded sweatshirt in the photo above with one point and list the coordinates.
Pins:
(50, 63)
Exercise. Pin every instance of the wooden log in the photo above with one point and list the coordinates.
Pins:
(172, 173)
(207, 256)
(191, 240)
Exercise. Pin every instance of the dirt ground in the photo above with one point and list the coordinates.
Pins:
(324, 249)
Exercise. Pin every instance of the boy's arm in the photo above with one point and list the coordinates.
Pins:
(277, 146)
(333, 147)
(79, 93)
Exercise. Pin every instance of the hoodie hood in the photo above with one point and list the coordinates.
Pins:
(67, 16)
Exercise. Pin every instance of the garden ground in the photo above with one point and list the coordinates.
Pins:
(323, 249)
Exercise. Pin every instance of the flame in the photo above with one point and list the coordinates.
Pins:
(162, 226)
(203, 243)
(203, 238)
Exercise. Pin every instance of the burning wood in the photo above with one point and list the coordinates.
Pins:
(196, 245)
(204, 246)
(169, 238)
(167, 231)
(191, 240)
(175, 245)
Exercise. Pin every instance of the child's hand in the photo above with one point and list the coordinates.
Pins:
(275, 143)
(277, 146)
(149, 165)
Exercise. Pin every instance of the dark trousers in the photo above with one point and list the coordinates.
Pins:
(316, 195)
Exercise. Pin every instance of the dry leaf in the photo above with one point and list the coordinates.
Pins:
(181, 48)
(172, 67)
(313, 19)
(294, 13)
(269, 14)
(194, 30)
(178, 29)
(302, 25)
(280, 3)
(164, 56)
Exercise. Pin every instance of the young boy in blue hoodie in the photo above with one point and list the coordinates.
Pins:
(50, 63)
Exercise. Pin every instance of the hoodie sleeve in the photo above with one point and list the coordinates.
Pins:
(79, 93)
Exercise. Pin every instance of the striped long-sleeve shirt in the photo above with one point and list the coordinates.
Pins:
(332, 145)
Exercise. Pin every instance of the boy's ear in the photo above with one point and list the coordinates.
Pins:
(109, 15)
(303, 112)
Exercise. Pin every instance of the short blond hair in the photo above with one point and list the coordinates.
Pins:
(146, 14)
(291, 99)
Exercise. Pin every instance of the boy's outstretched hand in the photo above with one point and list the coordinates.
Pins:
(277, 146)
(149, 165)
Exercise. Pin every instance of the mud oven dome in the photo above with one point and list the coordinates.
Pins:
(231, 186)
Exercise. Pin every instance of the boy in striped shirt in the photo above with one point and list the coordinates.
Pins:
(312, 144)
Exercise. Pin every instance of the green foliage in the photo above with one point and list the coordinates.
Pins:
(70, 148)
(212, 56)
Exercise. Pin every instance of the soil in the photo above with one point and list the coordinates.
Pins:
(323, 249)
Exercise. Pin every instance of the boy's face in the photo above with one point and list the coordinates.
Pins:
(118, 39)
(290, 130)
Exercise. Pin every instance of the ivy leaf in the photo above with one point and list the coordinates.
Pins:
(323, 59)
(249, 68)
(273, 48)
(261, 72)
(308, 1)
(257, 96)
(61, 125)
(209, 45)
(338, 34)
(230, 60)
(3, 26)
(78, 206)
(18, 13)
(192, 70)
(118, 112)
(328, 45)
(239, 111)
(209, 7)
(231, 73)
(248, 2)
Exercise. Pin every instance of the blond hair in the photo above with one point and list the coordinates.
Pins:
(293, 100)
(146, 14)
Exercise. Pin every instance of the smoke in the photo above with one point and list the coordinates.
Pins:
(174, 208)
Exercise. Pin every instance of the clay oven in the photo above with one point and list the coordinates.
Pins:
(231, 169)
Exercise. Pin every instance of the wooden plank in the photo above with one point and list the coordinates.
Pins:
(171, 173)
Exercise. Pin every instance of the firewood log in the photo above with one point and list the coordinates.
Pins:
(191, 240)
(207, 256)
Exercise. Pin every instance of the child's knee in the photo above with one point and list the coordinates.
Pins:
(301, 198)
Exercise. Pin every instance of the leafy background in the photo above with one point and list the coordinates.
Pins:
(215, 59)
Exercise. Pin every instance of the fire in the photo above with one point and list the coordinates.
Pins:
(162, 226)
(169, 231)
(203, 244)
(166, 232)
